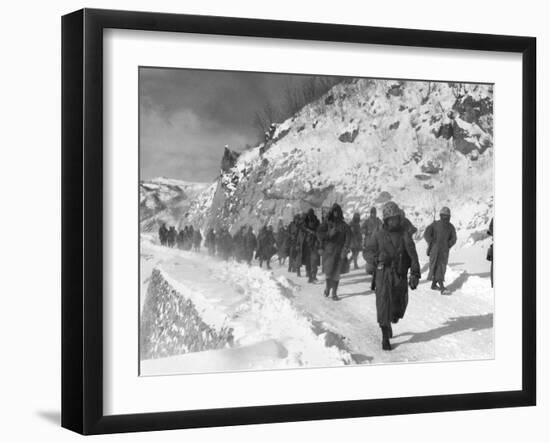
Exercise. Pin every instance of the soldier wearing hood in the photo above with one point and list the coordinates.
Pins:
(224, 244)
(282, 242)
(292, 243)
(163, 234)
(334, 237)
(238, 244)
(441, 237)
(370, 227)
(249, 241)
(197, 240)
(180, 239)
(356, 243)
(210, 241)
(171, 238)
(308, 245)
(266, 245)
(392, 252)
(188, 241)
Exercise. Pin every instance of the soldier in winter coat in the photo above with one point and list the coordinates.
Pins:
(293, 242)
(298, 257)
(334, 237)
(249, 242)
(171, 237)
(282, 242)
(356, 243)
(190, 237)
(197, 240)
(441, 237)
(210, 241)
(371, 226)
(392, 252)
(188, 242)
(163, 234)
(238, 244)
(266, 245)
(224, 244)
(307, 239)
(180, 239)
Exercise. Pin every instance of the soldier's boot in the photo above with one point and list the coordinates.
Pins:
(443, 289)
(327, 289)
(298, 271)
(308, 274)
(386, 346)
(314, 276)
(355, 265)
(268, 265)
(434, 285)
(335, 289)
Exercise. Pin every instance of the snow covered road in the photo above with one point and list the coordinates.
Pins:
(281, 321)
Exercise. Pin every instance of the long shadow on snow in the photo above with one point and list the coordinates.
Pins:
(354, 273)
(451, 326)
(362, 279)
(355, 294)
(463, 278)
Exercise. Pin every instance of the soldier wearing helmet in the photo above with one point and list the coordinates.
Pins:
(391, 251)
(334, 237)
(441, 237)
(356, 243)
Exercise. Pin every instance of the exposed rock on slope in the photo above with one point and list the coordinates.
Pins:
(423, 144)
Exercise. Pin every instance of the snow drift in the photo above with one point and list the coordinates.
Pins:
(243, 316)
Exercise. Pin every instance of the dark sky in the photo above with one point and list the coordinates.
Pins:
(187, 116)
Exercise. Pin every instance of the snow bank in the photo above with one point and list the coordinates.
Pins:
(196, 304)
(266, 313)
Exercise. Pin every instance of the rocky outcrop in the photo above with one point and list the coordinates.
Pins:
(349, 136)
(229, 159)
(422, 144)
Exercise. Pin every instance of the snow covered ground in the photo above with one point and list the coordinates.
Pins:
(280, 321)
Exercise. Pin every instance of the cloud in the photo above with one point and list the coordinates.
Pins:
(182, 145)
(187, 116)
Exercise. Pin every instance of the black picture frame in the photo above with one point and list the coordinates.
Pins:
(82, 218)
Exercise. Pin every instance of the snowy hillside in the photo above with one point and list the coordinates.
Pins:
(165, 200)
(422, 144)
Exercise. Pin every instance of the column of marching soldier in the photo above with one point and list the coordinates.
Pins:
(334, 245)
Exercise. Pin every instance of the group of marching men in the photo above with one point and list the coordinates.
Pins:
(187, 238)
(386, 245)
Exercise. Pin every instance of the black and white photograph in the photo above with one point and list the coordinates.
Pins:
(309, 221)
